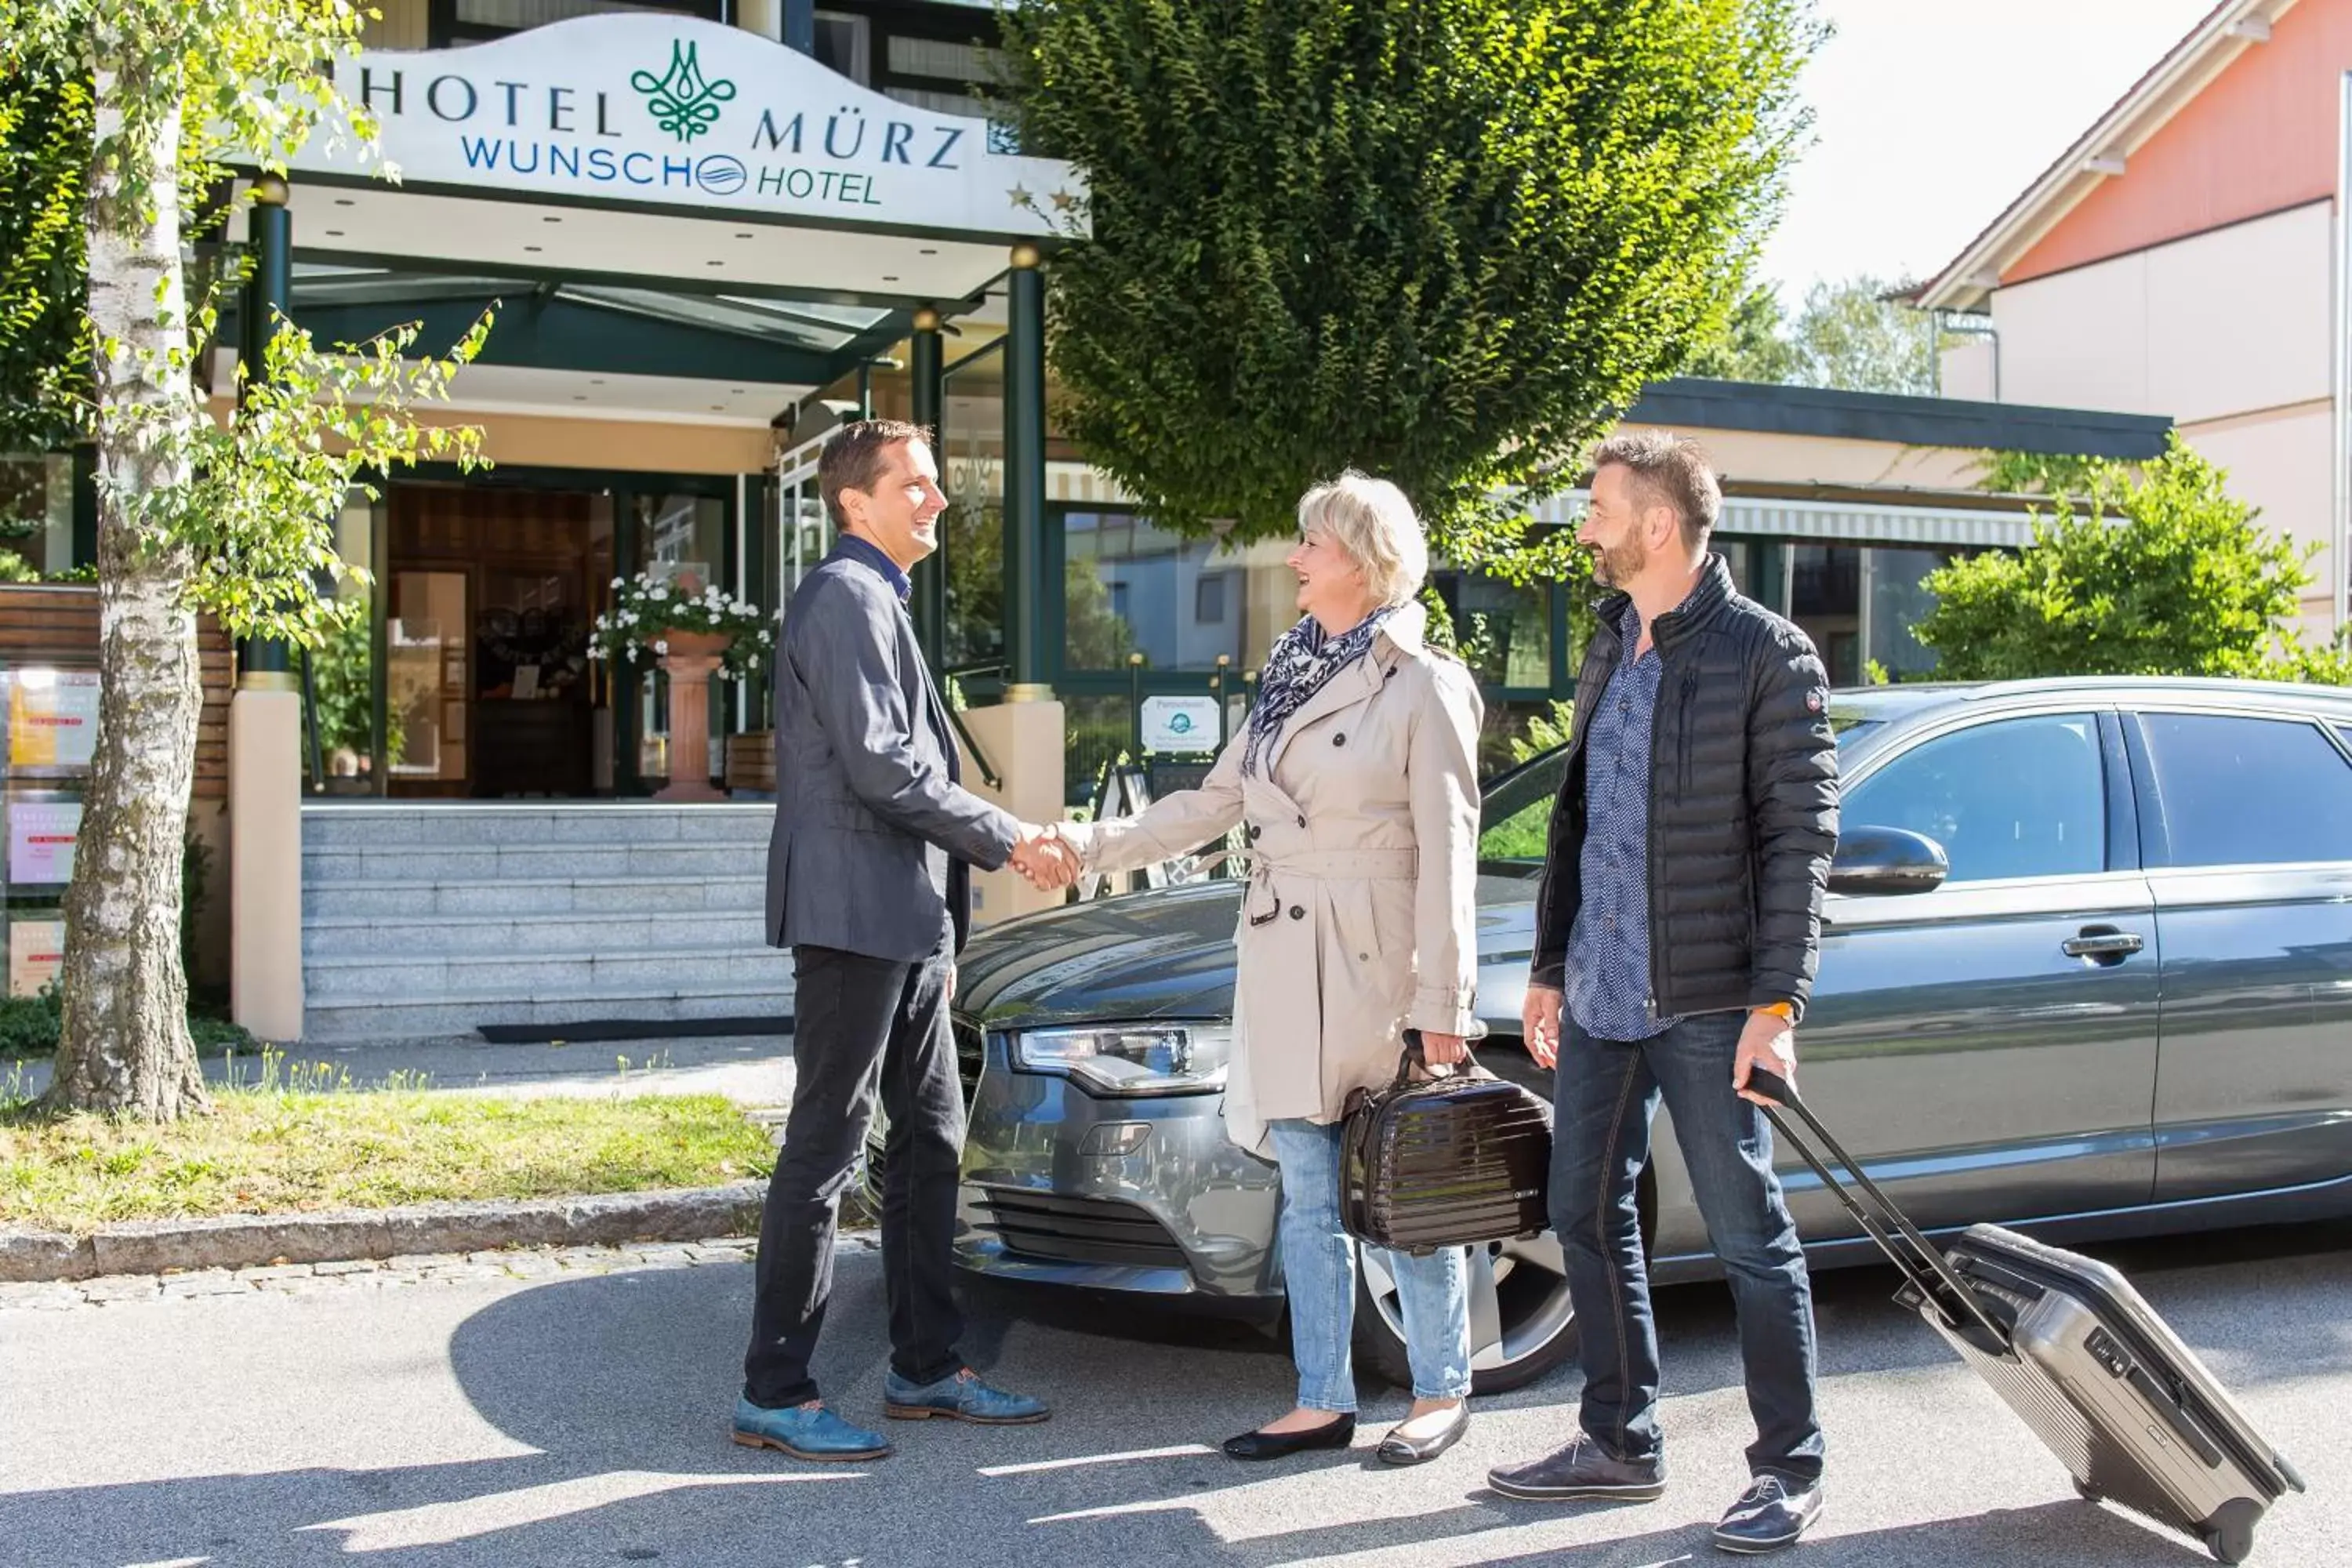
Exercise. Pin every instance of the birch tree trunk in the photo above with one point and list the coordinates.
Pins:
(125, 1046)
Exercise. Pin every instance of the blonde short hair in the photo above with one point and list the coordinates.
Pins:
(1373, 522)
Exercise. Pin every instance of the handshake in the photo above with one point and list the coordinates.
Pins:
(1041, 853)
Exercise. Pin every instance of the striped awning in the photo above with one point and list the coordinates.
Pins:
(1859, 522)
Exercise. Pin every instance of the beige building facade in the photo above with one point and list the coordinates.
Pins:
(2186, 257)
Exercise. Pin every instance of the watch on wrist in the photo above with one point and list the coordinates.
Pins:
(1780, 1010)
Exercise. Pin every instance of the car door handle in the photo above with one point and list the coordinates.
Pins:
(2104, 944)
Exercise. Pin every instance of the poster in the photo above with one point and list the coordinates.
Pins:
(36, 948)
(41, 836)
(1180, 723)
(52, 718)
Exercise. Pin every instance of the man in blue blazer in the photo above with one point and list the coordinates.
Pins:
(870, 885)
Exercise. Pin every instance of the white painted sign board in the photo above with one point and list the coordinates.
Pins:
(1180, 723)
(644, 108)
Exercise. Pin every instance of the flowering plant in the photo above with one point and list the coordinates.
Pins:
(647, 608)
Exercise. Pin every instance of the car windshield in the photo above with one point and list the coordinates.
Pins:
(1516, 819)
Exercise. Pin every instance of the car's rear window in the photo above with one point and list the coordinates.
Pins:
(2241, 791)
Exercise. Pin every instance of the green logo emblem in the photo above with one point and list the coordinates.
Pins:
(683, 102)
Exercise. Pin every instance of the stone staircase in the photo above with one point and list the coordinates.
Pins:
(424, 920)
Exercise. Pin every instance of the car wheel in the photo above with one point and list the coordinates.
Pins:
(1522, 1324)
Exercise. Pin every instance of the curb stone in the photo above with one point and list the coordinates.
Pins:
(450, 1230)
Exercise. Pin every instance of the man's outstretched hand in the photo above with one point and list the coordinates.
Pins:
(1046, 858)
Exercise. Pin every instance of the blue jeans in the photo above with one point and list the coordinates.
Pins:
(1604, 1096)
(1319, 1268)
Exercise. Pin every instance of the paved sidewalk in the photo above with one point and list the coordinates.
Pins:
(755, 1070)
(531, 1263)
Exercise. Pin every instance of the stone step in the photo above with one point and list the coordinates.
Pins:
(574, 972)
(519, 936)
(528, 862)
(551, 897)
(450, 1014)
(431, 825)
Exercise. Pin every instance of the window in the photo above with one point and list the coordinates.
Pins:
(472, 21)
(1515, 818)
(1209, 598)
(2249, 792)
(840, 44)
(2014, 797)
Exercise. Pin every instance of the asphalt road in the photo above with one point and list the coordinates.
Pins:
(580, 1421)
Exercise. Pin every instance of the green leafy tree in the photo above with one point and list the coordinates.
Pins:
(1848, 334)
(1444, 240)
(1851, 336)
(1754, 344)
(2158, 571)
(45, 130)
(233, 519)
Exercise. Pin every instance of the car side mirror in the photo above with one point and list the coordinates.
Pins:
(1875, 861)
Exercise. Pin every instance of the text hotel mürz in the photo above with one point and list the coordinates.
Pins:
(455, 100)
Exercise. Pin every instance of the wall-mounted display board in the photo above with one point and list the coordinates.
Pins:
(48, 733)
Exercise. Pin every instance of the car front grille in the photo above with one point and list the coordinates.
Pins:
(1057, 1229)
(970, 1049)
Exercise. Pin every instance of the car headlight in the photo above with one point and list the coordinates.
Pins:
(1132, 1058)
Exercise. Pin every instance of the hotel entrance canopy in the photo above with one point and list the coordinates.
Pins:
(646, 149)
(681, 219)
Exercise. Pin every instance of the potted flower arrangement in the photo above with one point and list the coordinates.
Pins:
(694, 630)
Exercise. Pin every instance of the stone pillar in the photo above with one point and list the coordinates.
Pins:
(692, 660)
(264, 728)
(926, 367)
(1024, 477)
(265, 854)
(1024, 741)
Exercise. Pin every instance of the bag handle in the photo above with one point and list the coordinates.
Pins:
(1920, 1262)
(1414, 1056)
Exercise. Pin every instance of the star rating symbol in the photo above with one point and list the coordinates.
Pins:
(1021, 196)
(1064, 201)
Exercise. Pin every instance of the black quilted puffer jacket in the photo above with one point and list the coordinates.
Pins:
(1743, 806)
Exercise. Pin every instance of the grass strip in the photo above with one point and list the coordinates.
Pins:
(273, 1149)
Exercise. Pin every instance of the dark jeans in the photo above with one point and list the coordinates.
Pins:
(1606, 1093)
(862, 1022)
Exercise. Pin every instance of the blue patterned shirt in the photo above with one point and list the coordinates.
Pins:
(1609, 949)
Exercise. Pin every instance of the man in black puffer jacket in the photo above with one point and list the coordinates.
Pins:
(1677, 931)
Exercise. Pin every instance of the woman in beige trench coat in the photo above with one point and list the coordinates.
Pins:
(1357, 778)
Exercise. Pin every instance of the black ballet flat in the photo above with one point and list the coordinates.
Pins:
(1336, 1433)
(1397, 1450)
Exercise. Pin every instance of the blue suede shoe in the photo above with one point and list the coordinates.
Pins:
(963, 1397)
(807, 1431)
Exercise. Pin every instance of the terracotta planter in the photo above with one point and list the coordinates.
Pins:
(693, 658)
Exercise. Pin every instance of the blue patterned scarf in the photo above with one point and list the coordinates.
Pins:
(1304, 659)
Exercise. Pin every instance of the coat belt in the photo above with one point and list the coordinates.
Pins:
(1324, 865)
(1344, 865)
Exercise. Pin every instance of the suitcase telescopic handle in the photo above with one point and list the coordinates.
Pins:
(1917, 1259)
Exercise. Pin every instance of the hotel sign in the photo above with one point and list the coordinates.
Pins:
(644, 108)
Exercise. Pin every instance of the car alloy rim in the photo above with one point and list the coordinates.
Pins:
(1519, 1298)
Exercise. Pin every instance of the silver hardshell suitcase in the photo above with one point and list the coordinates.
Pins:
(2070, 1346)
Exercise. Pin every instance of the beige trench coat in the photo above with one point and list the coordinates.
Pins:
(1358, 921)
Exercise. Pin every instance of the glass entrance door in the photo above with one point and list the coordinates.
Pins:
(805, 533)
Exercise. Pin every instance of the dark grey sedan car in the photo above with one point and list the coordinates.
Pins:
(2086, 968)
